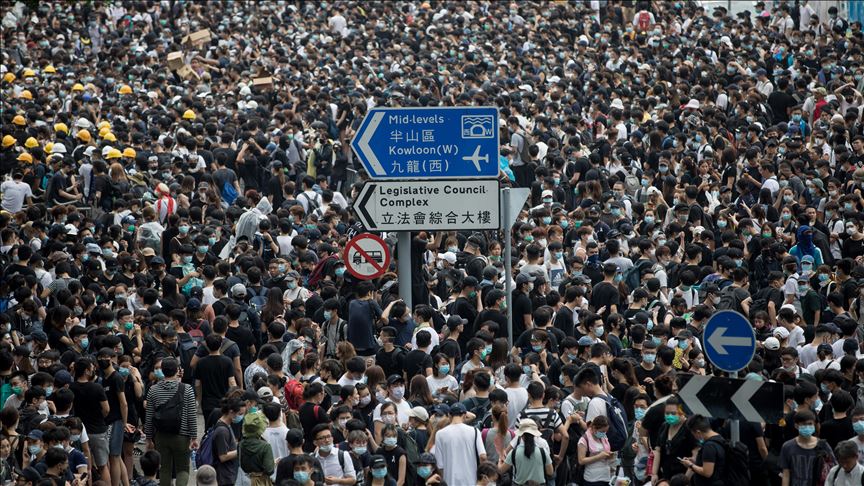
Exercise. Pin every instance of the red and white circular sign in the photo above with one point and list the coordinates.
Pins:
(366, 256)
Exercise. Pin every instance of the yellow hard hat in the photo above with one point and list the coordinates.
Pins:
(84, 135)
(50, 69)
(90, 87)
(103, 124)
(125, 89)
(25, 157)
(113, 154)
(61, 127)
(49, 147)
(129, 152)
(188, 115)
(19, 120)
(29, 73)
(110, 137)
(8, 77)
(104, 131)
(31, 143)
(26, 94)
(77, 87)
(8, 141)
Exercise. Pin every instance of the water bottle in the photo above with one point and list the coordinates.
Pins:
(192, 457)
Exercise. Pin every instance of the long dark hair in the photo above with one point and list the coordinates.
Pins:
(528, 442)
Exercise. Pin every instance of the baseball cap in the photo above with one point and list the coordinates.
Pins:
(457, 409)
(394, 379)
(265, 393)
(238, 290)
(449, 257)
(772, 343)
(419, 413)
(781, 333)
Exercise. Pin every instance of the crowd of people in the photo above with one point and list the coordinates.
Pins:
(174, 307)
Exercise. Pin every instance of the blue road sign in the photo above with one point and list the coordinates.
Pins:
(730, 340)
(429, 143)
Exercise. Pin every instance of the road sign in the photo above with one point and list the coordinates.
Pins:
(728, 398)
(366, 256)
(429, 205)
(730, 341)
(429, 142)
(518, 196)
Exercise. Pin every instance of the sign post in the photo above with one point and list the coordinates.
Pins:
(731, 398)
(730, 345)
(512, 201)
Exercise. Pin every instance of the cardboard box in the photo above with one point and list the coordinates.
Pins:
(186, 72)
(175, 60)
(198, 38)
(263, 83)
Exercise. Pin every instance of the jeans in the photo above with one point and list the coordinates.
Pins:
(174, 449)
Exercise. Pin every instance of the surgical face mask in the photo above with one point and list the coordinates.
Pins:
(340, 271)
(672, 419)
(390, 441)
(183, 229)
(649, 358)
(342, 423)
(682, 344)
(424, 471)
(858, 427)
(328, 315)
(600, 435)
(806, 431)
(547, 219)
(359, 450)
(380, 472)
(598, 331)
(187, 259)
(365, 400)
(301, 476)
(159, 374)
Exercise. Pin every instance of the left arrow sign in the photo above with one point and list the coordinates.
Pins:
(363, 143)
(361, 206)
(690, 394)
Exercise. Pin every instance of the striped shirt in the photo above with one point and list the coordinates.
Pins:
(160, 393)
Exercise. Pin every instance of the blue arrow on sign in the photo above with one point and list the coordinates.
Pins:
(730, 341)
(429, 142)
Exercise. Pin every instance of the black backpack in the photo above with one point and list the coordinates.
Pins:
(737, 466)
(168, 415)
(546, 431)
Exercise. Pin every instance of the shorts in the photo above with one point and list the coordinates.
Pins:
(99, 448)
(115, 438)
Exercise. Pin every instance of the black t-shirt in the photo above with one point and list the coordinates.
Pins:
(311, 414)
(604, 294)
(392, 362)
(213, 373)
(780, 101)
(835, 431)
(392, 457)
(114, 385)
(712, 451)
(493, 315)
(88, 405)
(244, 339)
(450, 348)
(416, 363)
(521, 308)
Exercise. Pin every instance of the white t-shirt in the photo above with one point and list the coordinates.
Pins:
(402, 409)
(432, 333)
(517, 400)
(807, 355)
(457, 447)
(275, 436)
(445, 381)
(14, 195)
(596, 407)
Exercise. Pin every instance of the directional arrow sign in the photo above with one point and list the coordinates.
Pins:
(429, 142)
(429, 205)
(730, 342)
(727, 398)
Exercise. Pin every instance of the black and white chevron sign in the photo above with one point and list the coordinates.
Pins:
(729, 398)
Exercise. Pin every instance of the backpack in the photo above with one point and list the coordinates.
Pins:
(643, 22)
(544, 425)
(525, 154)
(311, 203)
(633, 275)
(412, 455)
(167, 416)
(229, 193)
(205, 455)
(257, 302)
(728, 300)
(618, 432)
(760, 301)
(194, 331)
(187, 346)
(737, 467)
(294, 394)
(479, 410)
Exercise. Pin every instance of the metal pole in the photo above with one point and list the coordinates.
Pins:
(734, 432)
(403, 248)
(508, 265)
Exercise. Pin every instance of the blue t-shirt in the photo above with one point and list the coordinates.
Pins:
(362, 315)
